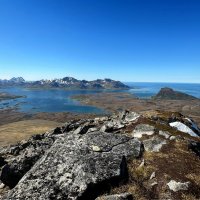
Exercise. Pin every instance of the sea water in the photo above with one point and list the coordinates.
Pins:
(59, 100)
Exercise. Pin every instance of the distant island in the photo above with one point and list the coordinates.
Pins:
(6, 96)
(66, 82)
(170, 94)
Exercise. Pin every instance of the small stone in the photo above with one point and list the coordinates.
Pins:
(97, 119)
(154, 183)
(104, 119)
(96, 148)
(153, 175)
(154, 144)
(83, 129)
(132, 116)
(2, 185)
(176, 186)
(92, 130)
(172, 137)
(104, 128)
(112, 126)
(142, 164)
(164, 134)
(123, 114)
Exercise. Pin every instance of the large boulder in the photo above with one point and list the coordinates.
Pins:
(26, 155)
(73, 169)
(143, 129)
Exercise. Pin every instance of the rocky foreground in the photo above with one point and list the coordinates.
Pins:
(124, 156)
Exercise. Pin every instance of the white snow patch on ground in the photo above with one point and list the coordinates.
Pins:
(193, 124)
(182, 127)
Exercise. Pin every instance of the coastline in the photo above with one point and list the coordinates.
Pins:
(112, 102)
(109, 101)
(6, 96)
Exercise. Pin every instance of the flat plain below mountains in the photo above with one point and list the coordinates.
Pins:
(119, 101)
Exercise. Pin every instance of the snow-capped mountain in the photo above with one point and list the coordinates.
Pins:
(66, 82)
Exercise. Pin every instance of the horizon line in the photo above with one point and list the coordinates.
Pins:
(102, 79)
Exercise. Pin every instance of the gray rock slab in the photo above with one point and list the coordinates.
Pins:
(70, 169)
(154, 144)
(143, 129)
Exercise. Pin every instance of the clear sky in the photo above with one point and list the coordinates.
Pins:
(127, 40)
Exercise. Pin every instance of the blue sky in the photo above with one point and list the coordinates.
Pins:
(127, 40)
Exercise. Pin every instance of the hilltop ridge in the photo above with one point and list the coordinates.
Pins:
(122, 156)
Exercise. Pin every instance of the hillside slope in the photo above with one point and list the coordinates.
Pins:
(126, 156)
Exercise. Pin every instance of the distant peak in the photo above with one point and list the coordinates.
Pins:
(170, 94)
(17, 79)
(67, 82)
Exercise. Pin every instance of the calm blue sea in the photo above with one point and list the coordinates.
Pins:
(59, 100)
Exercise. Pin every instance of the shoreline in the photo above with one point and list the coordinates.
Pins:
(6, 96)
(111, 102)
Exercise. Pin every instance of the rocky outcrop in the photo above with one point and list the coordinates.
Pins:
(170, 94)
(71, 168)
(26, 154)
(85, 158)
(71, 161)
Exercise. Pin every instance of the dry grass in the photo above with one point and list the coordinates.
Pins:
(138, 181)
(140, 173)
(118, 101)
(189, 197)
(194, 177)
(173, 162)
(17, 131)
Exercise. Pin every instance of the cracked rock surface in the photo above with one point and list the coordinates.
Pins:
(89, 159)
(70, 168)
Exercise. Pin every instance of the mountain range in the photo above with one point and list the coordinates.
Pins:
(66, 82)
